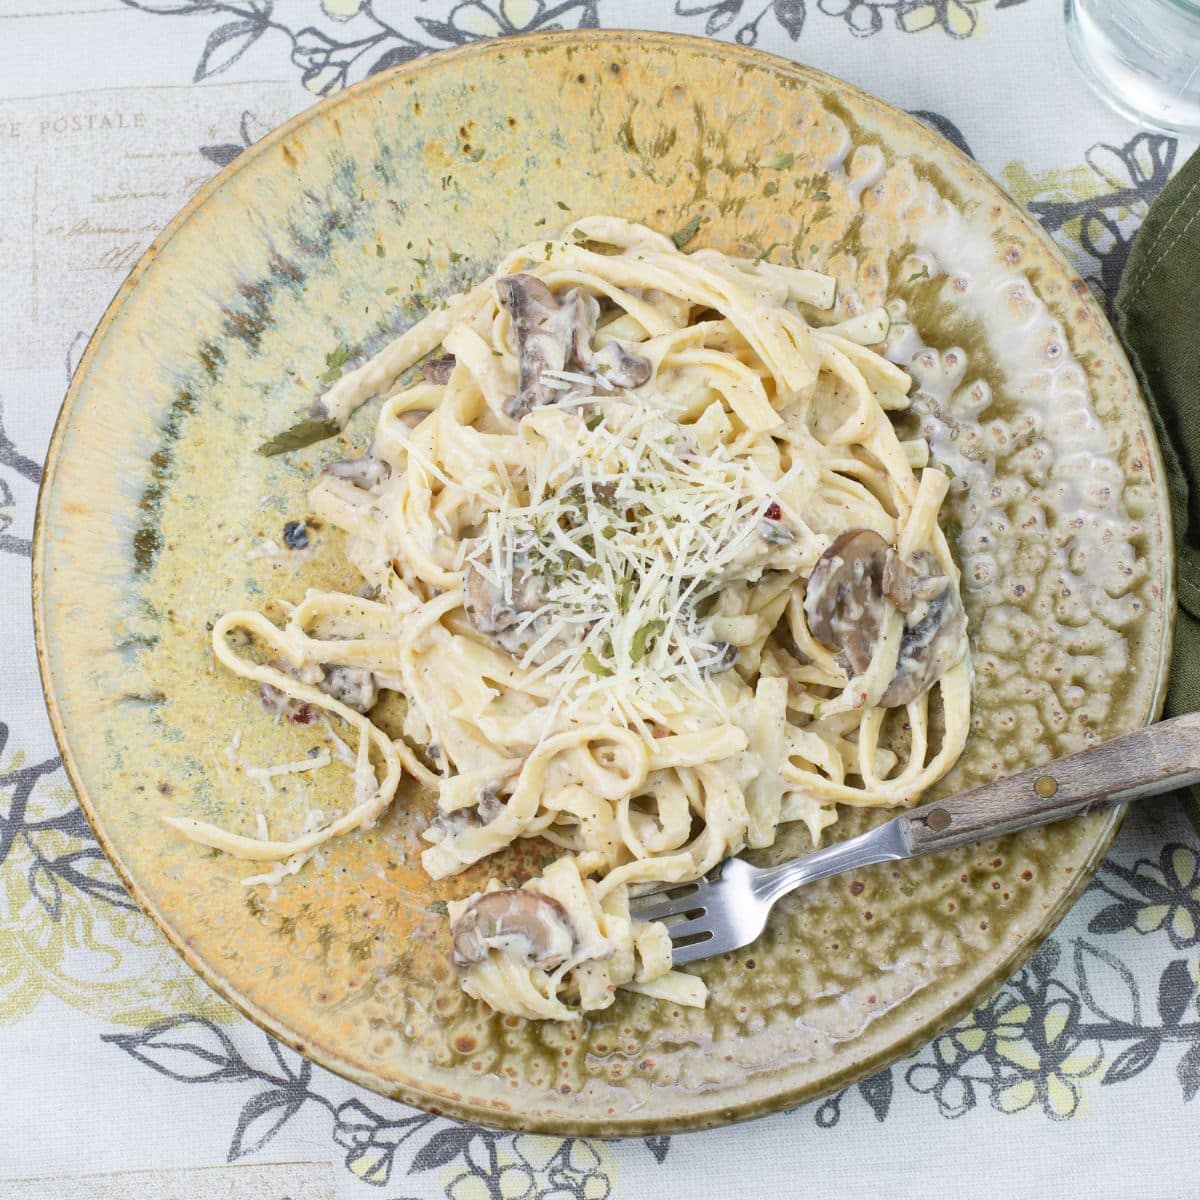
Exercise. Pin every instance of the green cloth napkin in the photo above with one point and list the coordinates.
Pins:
(1157, 314)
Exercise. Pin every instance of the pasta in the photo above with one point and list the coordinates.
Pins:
(654, 574)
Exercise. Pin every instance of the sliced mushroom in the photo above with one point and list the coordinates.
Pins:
(725, 654)
(411, 419)
(365, 472)
(553, 334)
(355, 687)
(848, 595)
(489, 610)
(543, 338)
(488, 806)
(929, 648)
(438, 370)
(504, 618)
(613, 362)
(525, 925)
(621, 367)
(907, 586)
(844, 600)
(775, 533)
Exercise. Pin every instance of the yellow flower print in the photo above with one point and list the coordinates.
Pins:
(480, 20)
(1040, 1056)
(958, 18)
(341, 10)
(532, 1167)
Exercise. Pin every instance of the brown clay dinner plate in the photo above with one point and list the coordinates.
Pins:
(157, 515)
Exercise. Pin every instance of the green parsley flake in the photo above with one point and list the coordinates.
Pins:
(685, 233)
(594, 666)
(641, 639)
(334, 361)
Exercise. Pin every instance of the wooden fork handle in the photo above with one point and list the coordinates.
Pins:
(1144, 763)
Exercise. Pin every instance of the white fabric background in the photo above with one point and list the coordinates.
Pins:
(119, 1074)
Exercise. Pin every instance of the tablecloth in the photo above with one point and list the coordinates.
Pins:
(121, 1074)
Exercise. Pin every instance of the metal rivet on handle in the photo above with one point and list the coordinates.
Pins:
(1045, 786)
(938, 819)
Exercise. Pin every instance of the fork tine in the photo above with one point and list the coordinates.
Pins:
(682, 929)
(653, 906)
(708, 948)
(668, 908)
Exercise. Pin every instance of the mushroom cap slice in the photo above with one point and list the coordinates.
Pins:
(503, 619)
(543, 334)
(516, 921)
(554, 332)
(844, 602)
(438, 370)
(849, 593)
(907, 584)
(929, 648)
(365, 472)
(355, 687)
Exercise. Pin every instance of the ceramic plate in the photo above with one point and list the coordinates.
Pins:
(157, 515)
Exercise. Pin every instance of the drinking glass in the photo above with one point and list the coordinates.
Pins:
(1142, 57)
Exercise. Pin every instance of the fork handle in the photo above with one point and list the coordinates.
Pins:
(1144, 763)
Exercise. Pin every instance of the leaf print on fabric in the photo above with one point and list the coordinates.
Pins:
(864, 18)
(250, 130)
(68, 928)
(21, 467)
(942, 124)
(1094, 210)
(351, 39)
(379, 1137)
(228, 43)
(1041, 1042)
(1107, 985)
(658, 1146)
(1153, 896)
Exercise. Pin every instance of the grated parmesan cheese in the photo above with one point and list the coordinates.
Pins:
(627, 537)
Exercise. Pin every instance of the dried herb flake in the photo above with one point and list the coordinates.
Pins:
(685, 233)
(641, 639)
(303, 433)
(594, 666)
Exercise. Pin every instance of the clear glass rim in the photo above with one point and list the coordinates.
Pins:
(1188, 8)
(1104, 88)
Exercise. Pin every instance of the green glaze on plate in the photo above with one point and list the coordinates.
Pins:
(344, 226)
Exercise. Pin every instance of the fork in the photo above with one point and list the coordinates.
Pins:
(729, 908)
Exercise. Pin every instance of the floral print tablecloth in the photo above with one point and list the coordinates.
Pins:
(120, 1073)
